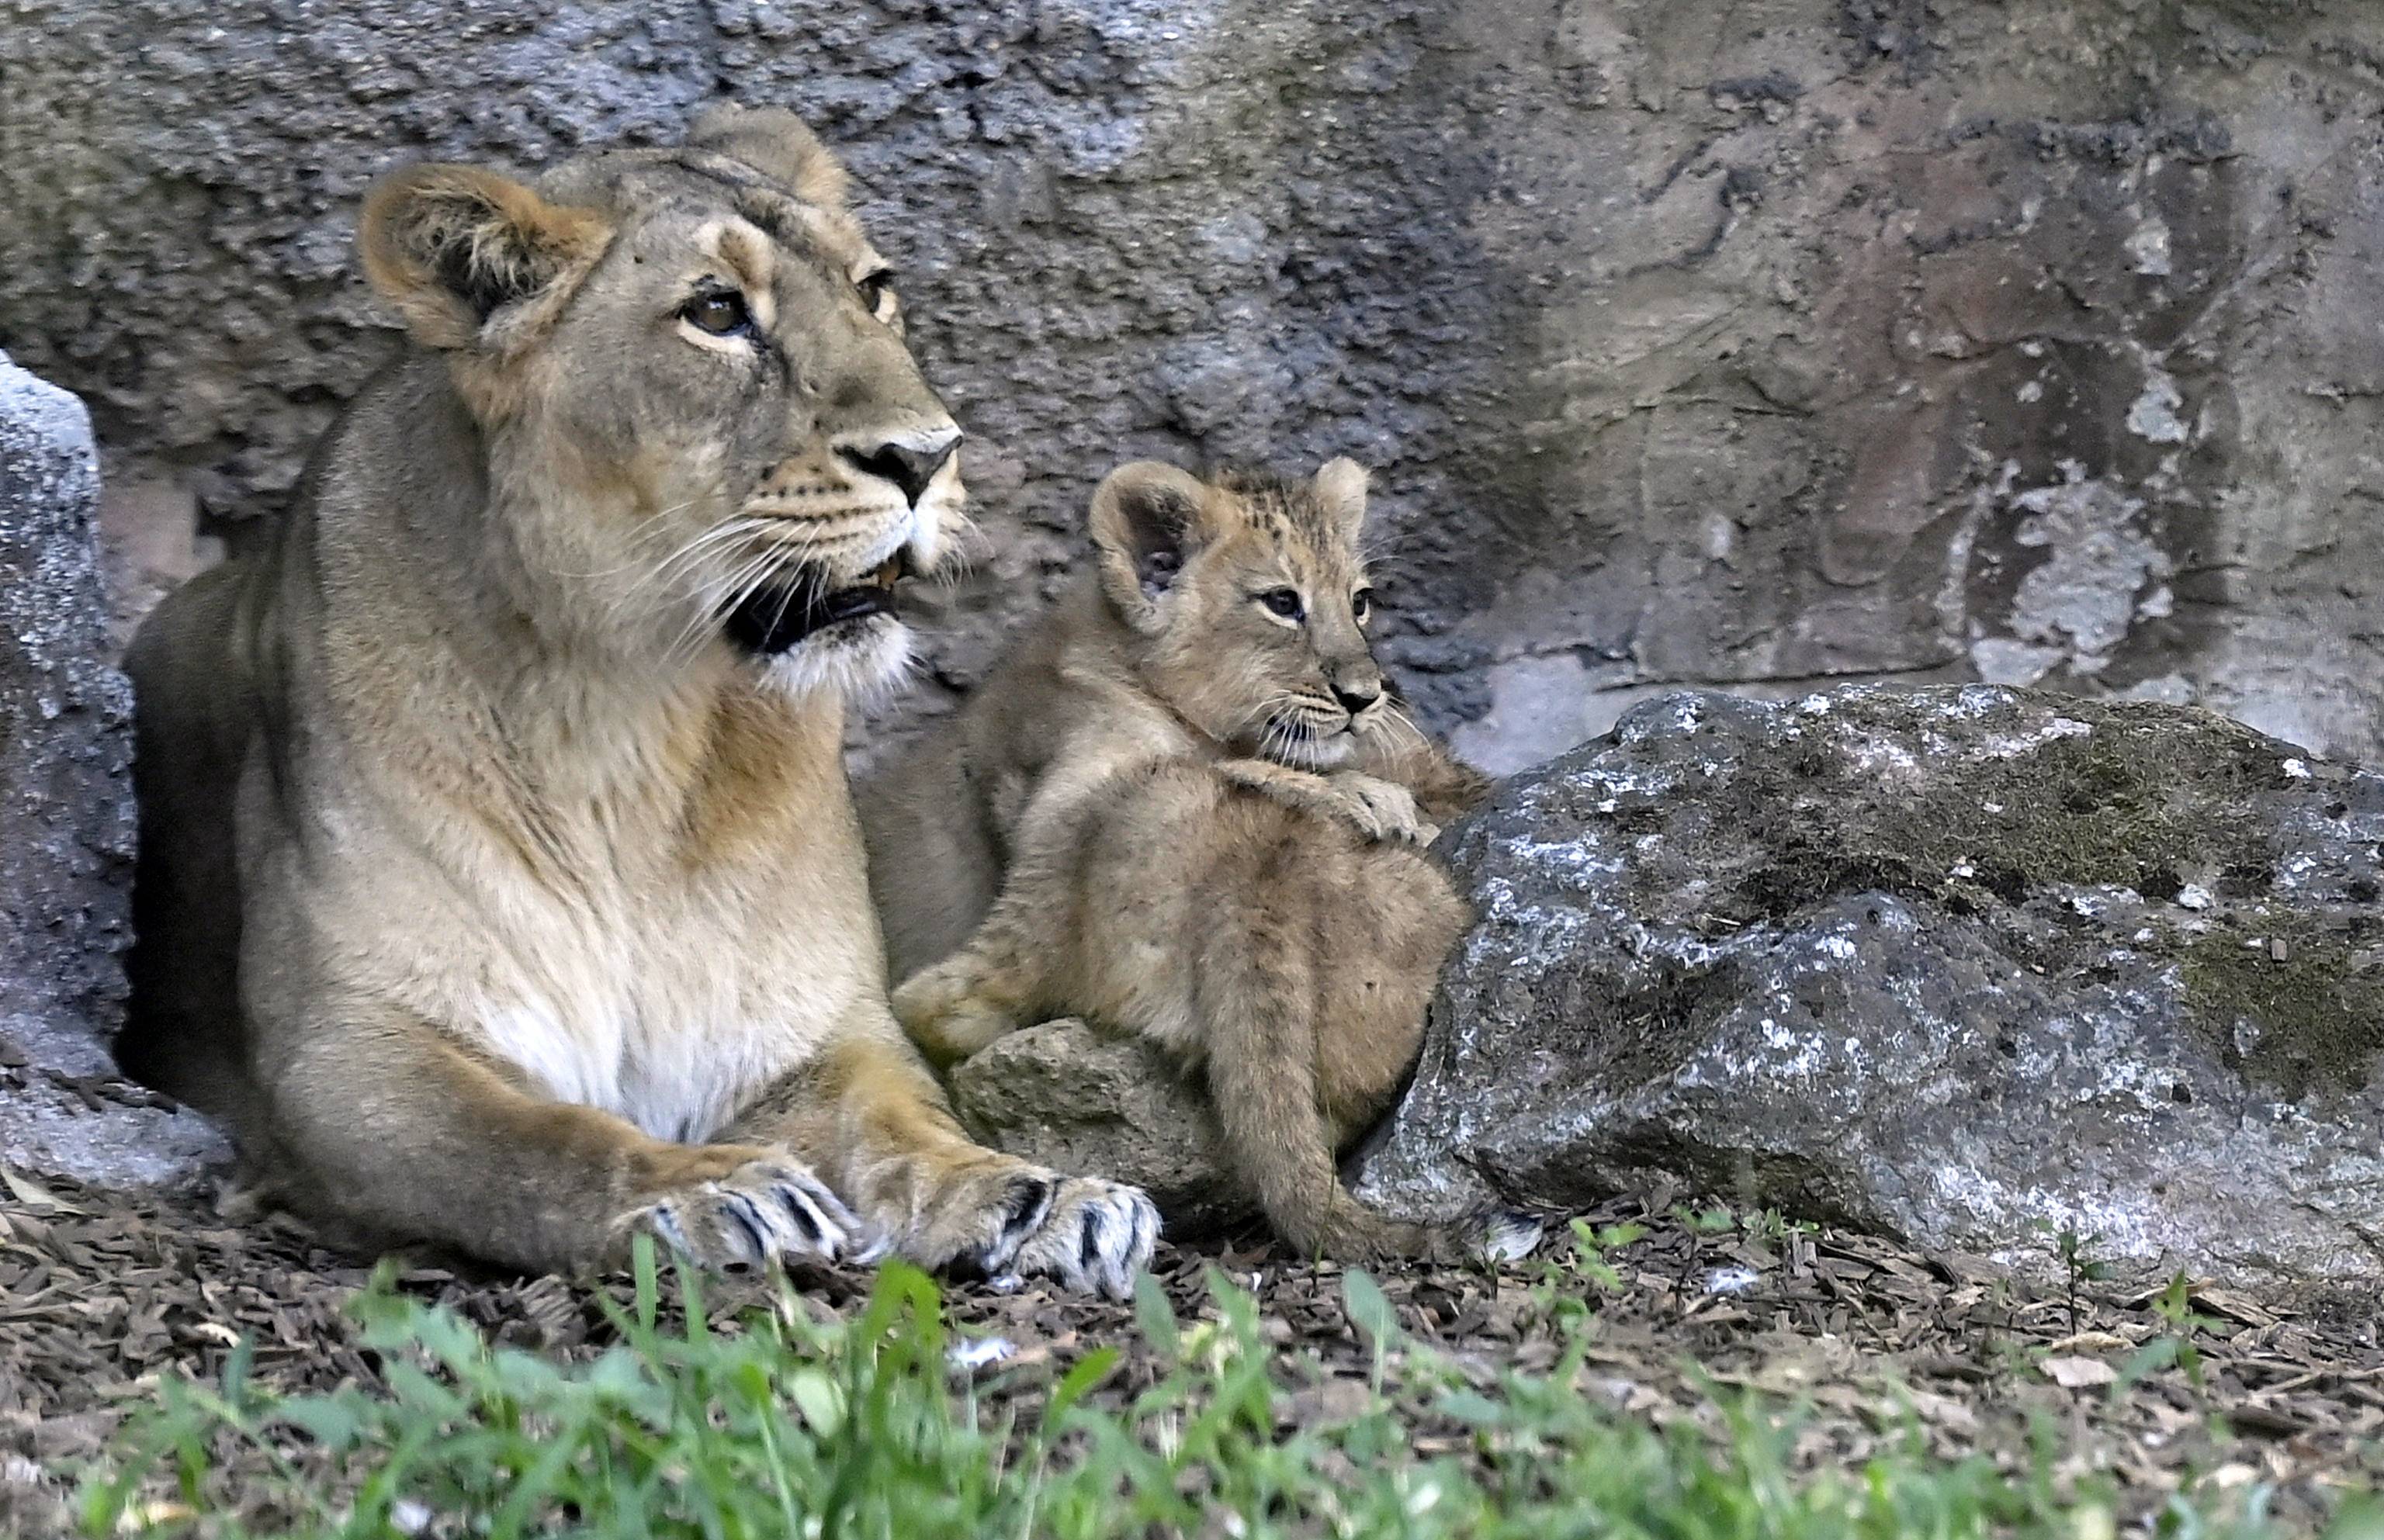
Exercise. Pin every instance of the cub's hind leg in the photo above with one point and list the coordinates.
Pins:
(1002, 976)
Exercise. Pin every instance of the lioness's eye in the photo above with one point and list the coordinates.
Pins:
(1284, 602)
(876, 290)
(1361, 604)
(720, 311)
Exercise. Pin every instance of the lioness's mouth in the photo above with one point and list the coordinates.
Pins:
(775, 617)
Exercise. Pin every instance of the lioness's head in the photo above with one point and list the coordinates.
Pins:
(702, 423)
(1248, 596)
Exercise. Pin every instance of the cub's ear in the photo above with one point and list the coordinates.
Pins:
(1147, 522)
(775, 143)
(1341, 489)
(451, 246)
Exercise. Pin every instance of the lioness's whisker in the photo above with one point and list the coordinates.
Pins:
(684, 559)
(690, 635)
(638, 540)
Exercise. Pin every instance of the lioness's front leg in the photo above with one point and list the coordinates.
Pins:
(402, 1134)
(867, 1112)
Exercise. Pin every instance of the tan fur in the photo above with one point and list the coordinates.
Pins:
(1162, 811)
(500, 899)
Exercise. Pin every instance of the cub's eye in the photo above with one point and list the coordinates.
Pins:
(876, 290)
(719, 312)
(1284, 602)
(1361, 605)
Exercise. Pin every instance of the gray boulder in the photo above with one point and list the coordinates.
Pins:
(65, 821)
(1078, 1099)
(1962, 965)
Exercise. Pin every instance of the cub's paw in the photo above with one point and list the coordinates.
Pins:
(949, 1012)
(765, 1213)
(1084, 1233)
(1379, 809)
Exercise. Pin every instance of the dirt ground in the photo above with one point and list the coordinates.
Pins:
(100, 1294)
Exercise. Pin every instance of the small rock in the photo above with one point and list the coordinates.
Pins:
(979, 1353)
(1732, 1280)
(1073, 1099)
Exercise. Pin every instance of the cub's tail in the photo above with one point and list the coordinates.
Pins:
(1254, 1001)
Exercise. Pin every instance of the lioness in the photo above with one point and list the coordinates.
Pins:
(1196, 806)
(499, 877)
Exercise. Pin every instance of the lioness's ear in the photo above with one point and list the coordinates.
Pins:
(775, 143)
(1341, 490)
(1145, 524)
(451, 246)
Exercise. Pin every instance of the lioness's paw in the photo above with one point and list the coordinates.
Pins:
(1084, 1233)
(763, 1213)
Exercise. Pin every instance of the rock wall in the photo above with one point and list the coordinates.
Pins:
(2031, 340)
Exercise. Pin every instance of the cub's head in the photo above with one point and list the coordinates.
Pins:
(701, 426)
(1247, 595)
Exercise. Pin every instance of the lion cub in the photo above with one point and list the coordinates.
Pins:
(1183, 804)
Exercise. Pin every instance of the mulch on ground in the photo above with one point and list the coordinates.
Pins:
(103, 1293)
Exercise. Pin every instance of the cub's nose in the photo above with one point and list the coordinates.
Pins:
(1355, 701)
(909, 462)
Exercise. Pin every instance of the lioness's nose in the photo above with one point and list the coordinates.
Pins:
(910, 460)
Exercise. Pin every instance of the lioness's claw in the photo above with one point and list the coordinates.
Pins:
(762, 1214)
(1098, 1236)
(1081, 1232)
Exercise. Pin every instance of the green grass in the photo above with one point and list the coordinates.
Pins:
(793, 1426)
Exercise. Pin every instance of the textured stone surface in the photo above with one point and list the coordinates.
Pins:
(1952, 963)
(1735, 345)
(65, 815)
(1077, 1100)
(65, 1110)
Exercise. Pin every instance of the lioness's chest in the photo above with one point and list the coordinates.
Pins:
(666, 911)
(673, 1007)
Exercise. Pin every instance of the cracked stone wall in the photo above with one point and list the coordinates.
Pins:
(2033, 340)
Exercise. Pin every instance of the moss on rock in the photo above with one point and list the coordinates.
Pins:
(2018, 805)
